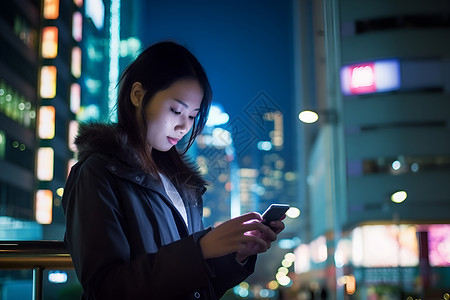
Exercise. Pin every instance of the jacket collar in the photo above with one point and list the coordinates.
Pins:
(135, 175)
(141, 178)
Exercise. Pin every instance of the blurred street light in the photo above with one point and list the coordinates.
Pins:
(311, 116)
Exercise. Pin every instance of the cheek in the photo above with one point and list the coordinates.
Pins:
(158, 127)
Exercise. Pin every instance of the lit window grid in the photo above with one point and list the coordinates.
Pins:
(45, 163)
(75, 98)
(78, 3)
(44, 206)
(76, 62)
(49, 47)
(77, 26)
(51, 9)
(46, 127)
(2, 144)
(15, 106)
(48, 82)
(73, 130)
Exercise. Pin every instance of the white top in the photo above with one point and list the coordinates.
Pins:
(174, 196)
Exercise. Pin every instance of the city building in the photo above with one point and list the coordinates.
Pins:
(41, 64)
(49, 63)
(378, 158)
(40, 69)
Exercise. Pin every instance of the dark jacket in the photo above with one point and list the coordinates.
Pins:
(126, 239)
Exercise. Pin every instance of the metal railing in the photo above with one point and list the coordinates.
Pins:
(37, 256)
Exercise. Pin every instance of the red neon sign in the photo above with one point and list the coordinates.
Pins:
(362, 79)
(370, 77)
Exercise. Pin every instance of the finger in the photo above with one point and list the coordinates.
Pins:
(277, 226)
(255, 226)
(251, 242)
(243, 219)
(266, 233)
(269, 235)
(249, 217)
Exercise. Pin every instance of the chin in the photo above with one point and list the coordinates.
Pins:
(164, 149)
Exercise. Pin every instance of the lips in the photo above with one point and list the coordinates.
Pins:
(173, 141)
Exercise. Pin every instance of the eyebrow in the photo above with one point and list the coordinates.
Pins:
(184, 104)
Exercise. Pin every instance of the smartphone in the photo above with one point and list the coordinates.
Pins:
(274, 213)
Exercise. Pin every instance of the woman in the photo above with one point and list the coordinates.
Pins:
(133, 205)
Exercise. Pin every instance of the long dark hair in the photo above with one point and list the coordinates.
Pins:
(157, 68)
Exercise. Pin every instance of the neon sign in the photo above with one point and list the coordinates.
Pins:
(370, 77)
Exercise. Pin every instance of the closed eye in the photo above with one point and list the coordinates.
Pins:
(174, 111)
(179, 113)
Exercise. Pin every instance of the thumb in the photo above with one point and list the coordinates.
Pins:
(248, 217)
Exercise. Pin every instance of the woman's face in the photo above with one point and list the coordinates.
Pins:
(171, 112)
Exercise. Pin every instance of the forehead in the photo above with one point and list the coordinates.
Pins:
(187, 91)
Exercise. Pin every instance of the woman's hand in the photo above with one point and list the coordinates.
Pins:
(246, 235)
(268, 236)
(231, 236)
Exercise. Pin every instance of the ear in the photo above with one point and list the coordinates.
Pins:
(137, 94)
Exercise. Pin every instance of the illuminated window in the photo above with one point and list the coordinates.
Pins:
(2, 144)
(319, 251)
(302, 263)
(44, 206)
(45, 157)
(95, 9)
(49, 42)
(75, 97)
(249, 173)
(76, 62)
(439, 245)
(350, 285)
(78, 3)
(46, 127)
(48, 82)
(73, 130)
(51, 9)
(373, 246)
(343, 252)
(77, 26)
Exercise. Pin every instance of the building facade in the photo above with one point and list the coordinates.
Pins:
(378, 163)
(46, 86)
(40, 66)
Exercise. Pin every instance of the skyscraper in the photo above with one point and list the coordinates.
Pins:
(379, 160)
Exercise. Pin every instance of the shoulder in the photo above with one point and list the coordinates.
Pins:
(88, 182)
(91, 170)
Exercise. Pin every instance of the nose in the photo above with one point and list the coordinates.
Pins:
(182, 125)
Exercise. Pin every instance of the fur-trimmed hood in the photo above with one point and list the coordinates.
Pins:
(104, 138)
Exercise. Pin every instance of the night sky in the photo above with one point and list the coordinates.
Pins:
(246, 50)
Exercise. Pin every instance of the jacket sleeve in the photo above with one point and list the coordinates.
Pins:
(225, 271)
(97, 240)
(229, 272)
